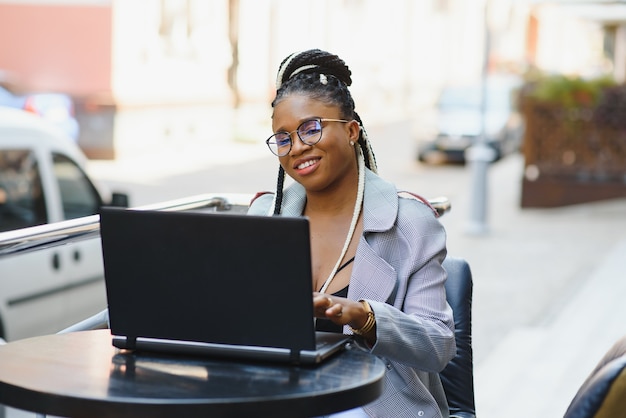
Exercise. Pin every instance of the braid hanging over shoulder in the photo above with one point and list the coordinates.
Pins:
(278, 197)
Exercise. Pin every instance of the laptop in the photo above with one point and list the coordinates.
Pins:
(214, 284)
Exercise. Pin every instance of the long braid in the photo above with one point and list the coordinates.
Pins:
(366, 147)
(278, 199)
(325, 77)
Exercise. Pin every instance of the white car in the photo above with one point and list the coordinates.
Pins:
(43, 180)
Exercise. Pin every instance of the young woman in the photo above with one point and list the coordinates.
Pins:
(376, 256)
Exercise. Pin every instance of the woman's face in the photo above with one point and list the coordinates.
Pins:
(327, 165)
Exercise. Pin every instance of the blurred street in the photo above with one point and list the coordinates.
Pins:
(548, 283)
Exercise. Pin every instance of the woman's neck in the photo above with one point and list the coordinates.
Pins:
(335, 202)
(336, 205)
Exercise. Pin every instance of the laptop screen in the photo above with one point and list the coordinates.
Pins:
(209, 277)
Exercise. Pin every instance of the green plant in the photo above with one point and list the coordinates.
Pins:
(566, 91)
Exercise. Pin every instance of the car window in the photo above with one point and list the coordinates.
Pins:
(78, 195)
(22, 202)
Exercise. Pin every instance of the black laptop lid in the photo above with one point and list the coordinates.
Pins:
(208, 277)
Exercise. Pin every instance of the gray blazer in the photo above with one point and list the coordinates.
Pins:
(398, 270)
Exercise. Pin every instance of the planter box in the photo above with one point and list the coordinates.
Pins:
(569, 159)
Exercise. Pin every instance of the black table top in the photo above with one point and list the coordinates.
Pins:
(82, 374)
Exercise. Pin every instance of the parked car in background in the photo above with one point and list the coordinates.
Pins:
(42, 175)
(459, 121)
(56, 108)
(43, 180)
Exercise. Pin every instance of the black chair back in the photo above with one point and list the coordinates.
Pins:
(458, 376)
(603, 394)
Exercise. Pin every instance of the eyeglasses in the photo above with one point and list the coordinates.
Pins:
(309, 132)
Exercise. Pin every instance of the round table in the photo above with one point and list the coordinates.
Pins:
(81, 374)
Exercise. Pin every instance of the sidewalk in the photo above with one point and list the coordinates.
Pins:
(536, 370)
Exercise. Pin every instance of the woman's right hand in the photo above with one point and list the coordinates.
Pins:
(342, 311)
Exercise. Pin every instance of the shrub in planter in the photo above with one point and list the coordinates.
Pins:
(575, 140)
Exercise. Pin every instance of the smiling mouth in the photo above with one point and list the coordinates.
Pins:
(306, 164)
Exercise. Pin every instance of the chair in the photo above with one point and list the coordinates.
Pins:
(458, 376)
(603, 394)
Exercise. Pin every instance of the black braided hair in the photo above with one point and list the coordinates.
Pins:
(325, 77)
(279, 189)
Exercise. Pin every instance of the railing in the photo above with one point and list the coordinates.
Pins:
(441, 204)
(50, 235)
(58, 233)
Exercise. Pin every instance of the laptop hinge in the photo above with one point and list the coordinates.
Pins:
(131, 343)
(294, 356)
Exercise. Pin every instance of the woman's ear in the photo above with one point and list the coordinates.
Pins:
(354, 130)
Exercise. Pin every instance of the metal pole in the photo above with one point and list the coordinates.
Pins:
(479, 155)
